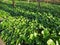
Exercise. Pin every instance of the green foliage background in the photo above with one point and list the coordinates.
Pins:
(26, 25)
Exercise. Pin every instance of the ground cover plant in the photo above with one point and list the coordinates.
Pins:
(27, 25)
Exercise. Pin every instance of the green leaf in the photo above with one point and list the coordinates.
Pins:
(50, 42)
